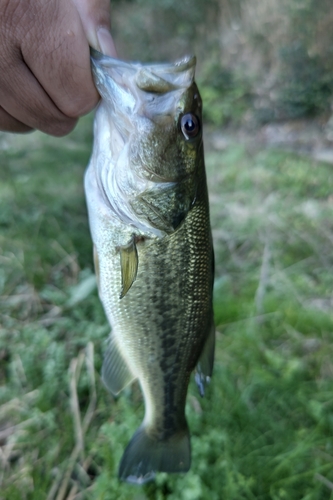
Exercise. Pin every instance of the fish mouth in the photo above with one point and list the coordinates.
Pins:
(179, 66)
(156, 78)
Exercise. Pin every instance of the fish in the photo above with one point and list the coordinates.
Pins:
(148, 210)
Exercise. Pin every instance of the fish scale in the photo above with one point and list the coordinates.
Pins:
(155, 278)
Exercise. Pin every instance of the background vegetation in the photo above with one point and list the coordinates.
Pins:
(275, 55)
(264, 430)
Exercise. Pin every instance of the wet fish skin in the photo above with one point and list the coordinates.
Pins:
(149, 218)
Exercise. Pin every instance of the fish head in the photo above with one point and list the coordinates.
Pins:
(152, 134)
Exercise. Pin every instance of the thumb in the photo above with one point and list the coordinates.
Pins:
(96, 21)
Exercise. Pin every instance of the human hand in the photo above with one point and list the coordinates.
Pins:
(45, 74)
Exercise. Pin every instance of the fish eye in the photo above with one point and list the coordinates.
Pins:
(189, 125)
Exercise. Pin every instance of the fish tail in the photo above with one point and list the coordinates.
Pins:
(145, 455)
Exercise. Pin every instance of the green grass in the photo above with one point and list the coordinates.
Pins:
(265, 429)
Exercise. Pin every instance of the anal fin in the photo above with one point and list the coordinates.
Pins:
(204, 368)
(115, 373)
(129, 265)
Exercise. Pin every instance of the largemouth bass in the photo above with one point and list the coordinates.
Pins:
(149, 219)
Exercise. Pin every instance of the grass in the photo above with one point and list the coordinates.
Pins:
(264, 431)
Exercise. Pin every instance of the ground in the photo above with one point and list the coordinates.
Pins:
(264, 429)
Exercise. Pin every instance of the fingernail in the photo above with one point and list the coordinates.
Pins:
(106, 43)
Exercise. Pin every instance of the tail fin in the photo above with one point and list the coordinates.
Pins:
(145, 455)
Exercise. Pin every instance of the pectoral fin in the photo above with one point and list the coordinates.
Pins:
(115, 373)
(205, 364)
(129, 266)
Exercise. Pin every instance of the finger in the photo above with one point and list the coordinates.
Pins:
(10, 124)
(96, 20)
(23, 98)
(56, 51)
(37, 96)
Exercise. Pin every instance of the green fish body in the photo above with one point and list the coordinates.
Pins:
(149, 217)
